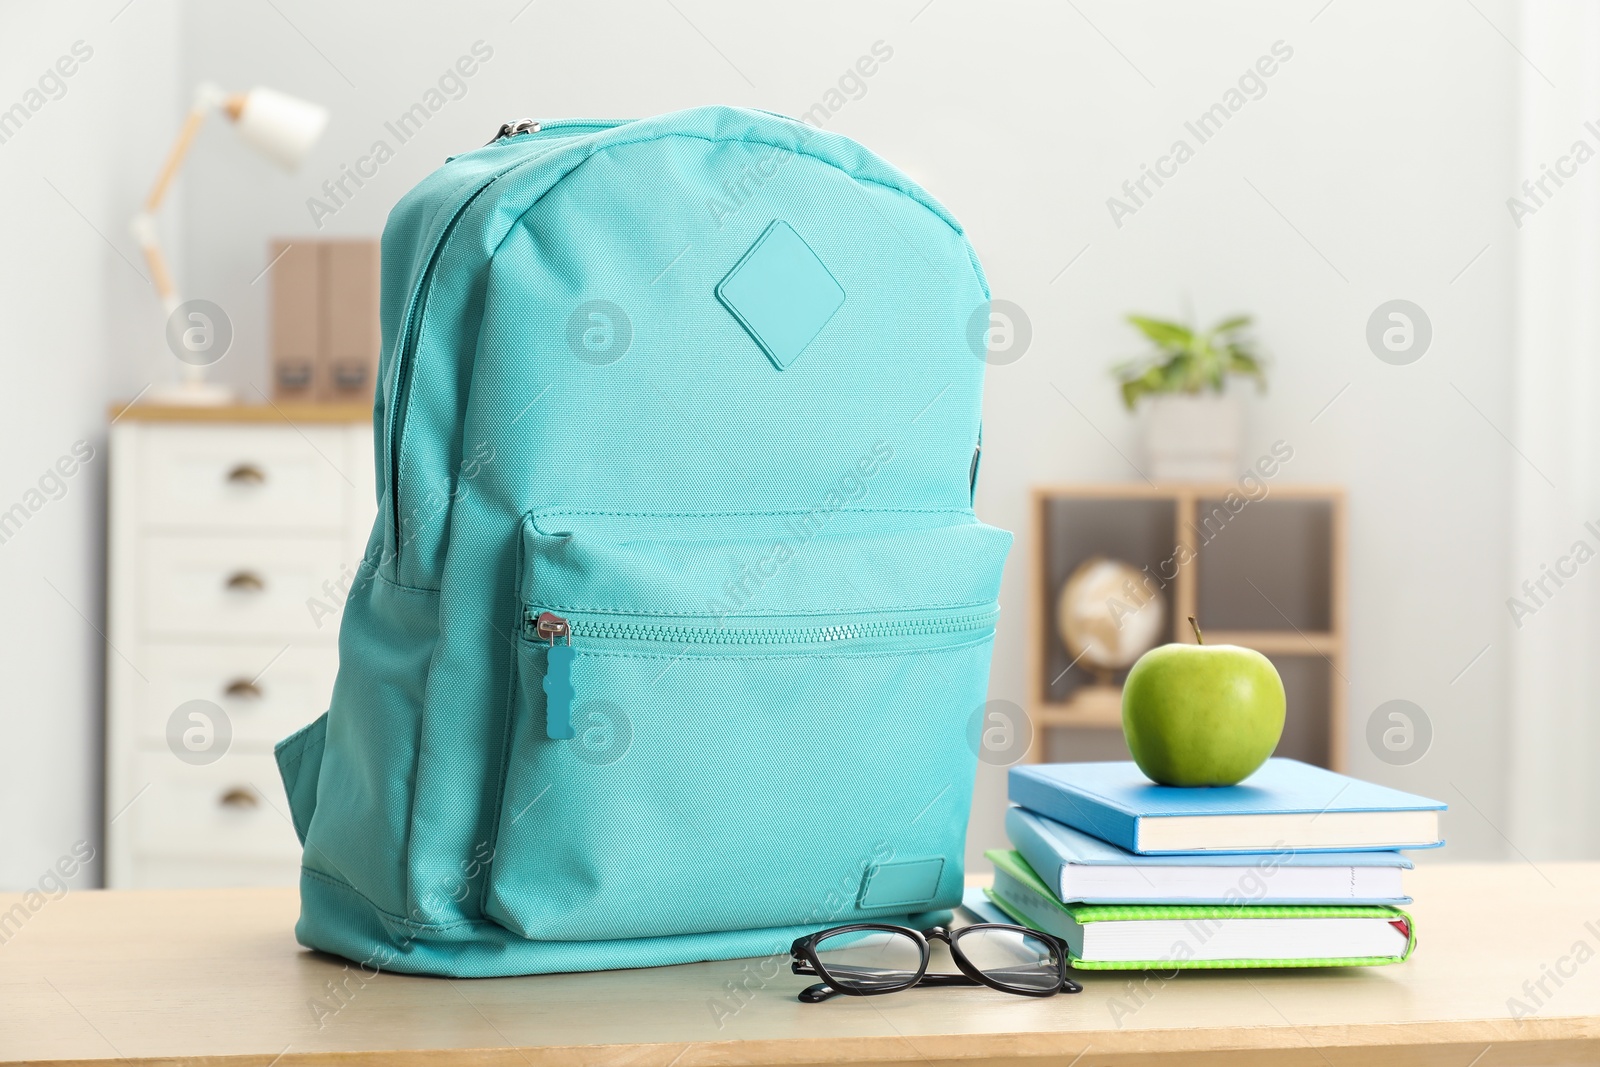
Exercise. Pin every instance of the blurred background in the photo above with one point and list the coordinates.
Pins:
(1403, 198)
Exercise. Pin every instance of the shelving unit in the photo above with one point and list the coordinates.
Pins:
(1267, 573)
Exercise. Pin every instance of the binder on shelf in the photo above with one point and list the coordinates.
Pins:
(296, 275)
(349, 361)
(325, 330)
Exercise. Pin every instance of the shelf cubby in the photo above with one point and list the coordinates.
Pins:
(1265, 570)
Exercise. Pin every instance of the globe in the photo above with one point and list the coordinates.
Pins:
(1108, 615)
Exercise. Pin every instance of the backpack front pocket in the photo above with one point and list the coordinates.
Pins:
(720, 733)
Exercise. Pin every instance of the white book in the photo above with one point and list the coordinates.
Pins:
(1081, 868)
(1112, 936)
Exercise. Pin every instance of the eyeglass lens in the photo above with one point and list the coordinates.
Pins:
(870, 959)
(1013, 958)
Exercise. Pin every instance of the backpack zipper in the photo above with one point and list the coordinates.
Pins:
(552, 628)
(399, 391)
(511, 129)
(508, 130)
(558, 692)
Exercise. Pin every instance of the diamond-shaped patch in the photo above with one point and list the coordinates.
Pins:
(781, 293)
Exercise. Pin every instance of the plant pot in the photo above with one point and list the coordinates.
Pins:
(1193, 437)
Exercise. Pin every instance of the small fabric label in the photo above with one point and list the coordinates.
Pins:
(781, 293)
(902, 882)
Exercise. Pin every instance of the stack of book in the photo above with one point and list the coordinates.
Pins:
(1296, 866)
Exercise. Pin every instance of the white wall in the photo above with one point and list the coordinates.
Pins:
(1385, 141)
(1555, 676)
(1375, 166)
(78, 318)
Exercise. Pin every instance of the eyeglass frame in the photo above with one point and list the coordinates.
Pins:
(804, 961)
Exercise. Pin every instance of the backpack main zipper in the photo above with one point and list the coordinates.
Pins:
(559, 631)
(511, 129)
(411, 327)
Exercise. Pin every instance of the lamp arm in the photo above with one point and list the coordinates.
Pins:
(207, 98)
(144, 223)
(175, 157)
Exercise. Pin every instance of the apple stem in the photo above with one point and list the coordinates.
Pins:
(1199, 639)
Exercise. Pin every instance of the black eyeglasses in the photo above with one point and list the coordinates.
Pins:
(866, 959)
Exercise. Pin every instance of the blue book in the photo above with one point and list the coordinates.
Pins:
(1284, 805)
(1086, 870)
(977, 903)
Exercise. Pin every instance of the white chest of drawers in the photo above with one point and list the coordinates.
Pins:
(233, 533)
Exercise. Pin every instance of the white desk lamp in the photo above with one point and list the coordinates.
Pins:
(280, 127)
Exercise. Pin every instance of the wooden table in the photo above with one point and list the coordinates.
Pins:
(215, 977)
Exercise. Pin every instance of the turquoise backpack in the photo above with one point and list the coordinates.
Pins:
(673, 632)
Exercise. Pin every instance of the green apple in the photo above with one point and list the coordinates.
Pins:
(1202, 714)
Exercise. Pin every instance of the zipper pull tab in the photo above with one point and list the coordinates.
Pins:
(558, 692)
(551, 626)
(511, 129)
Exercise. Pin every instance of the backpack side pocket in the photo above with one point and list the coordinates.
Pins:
(300, 764)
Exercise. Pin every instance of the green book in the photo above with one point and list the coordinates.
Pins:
(1114, 937)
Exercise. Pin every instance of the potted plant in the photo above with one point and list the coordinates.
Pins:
(1193, 424)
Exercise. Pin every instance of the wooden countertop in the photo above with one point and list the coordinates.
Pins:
(284, 411)
(214, 977)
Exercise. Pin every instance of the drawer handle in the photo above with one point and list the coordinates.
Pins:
(241, 798)
(247, 474)
(241, 688)
(246, 582)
